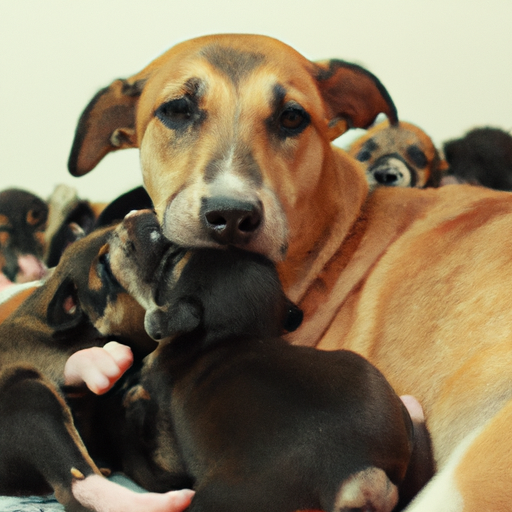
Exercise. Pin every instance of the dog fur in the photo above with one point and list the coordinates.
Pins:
(235, 139)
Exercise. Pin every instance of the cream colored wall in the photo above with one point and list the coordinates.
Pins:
(446, 63)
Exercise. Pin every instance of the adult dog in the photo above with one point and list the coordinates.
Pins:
(235, 138)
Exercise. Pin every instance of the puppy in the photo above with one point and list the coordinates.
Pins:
(23, 219)
(400, 155)
(80, 306)
(258, 424)
(483, 156)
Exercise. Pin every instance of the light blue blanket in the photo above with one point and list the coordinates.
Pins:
(49, 503)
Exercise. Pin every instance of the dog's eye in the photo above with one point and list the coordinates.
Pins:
(105, 271)
(364, 155)
(178, 113)
(293, 120)
(417, 157)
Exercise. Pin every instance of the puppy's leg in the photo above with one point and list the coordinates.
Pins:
(99, 368)
(100, 495)
(421, 466)
(40, 448)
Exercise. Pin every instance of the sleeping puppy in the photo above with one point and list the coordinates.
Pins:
(400, 155)
(78, 309)
(254, 423)
(483, 156)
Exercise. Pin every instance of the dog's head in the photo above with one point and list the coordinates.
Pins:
(234, 133)
(399, 155)
(82, 293)
(218, 293)
(23, 219)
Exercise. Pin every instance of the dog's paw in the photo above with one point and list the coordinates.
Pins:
(101, 495)
(99, 368)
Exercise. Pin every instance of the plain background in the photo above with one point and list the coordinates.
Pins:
(446, 63)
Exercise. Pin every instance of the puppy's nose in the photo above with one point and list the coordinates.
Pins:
(230, 221)
(388, 176)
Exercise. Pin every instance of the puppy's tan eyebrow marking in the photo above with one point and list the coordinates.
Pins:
(182, 263)
(235, 64)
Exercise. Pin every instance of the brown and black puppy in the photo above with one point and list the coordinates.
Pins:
(399, 155)
(258, 424)
(23, 218)
(79, 306)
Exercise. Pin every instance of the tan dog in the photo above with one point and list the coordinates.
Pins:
(234, 134)
(400, 155)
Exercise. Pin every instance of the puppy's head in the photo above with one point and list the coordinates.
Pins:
(234, 133)
(218, 293)
(399, 156)
(82, 293)
(23, 219)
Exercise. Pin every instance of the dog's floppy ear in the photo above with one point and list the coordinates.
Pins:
(106, 124)
(64, 311)
(183, 317)
(354, 96)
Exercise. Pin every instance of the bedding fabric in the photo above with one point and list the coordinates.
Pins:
(49, 503)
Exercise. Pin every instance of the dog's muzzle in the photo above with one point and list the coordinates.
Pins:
(392, 171)
(231, 221)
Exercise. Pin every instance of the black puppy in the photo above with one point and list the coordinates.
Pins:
(255, 423)
(483, 156)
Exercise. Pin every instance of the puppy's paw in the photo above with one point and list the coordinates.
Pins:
(99, 368)
(101, 495)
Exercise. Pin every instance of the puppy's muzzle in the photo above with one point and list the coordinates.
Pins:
(392, 171)
(231, 221)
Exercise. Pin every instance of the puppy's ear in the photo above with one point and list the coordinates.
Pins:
(106, 124)
(354, 97)
(182, 318)
(64, 311)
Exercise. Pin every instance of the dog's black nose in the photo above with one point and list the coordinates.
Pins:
(230, 221)
(387, 176)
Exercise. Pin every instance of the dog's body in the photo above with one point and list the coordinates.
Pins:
(259, 424)
(234, 134)
(399, 155)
